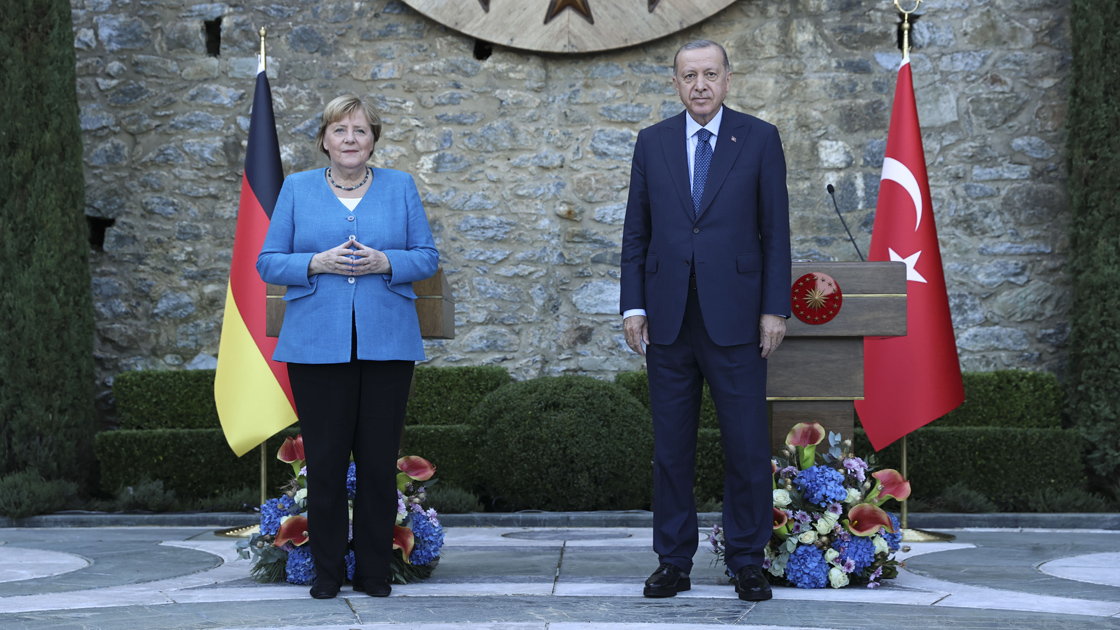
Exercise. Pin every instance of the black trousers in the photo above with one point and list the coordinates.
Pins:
(356, 407)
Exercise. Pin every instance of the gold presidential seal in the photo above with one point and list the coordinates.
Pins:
(568, 26)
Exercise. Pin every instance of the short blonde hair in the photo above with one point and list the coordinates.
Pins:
(342, 107)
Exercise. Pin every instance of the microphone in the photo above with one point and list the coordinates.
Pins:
(832, 193)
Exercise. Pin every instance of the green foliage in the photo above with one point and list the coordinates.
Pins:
(166, 399)
(147, 496)
(962, 499)
(448, 448)
(451, 500)
(564, 443)
(1007, 463)
(1069, 500)
(193, 463)
(1008, 398)
(638, 385)
(445, 396)
(1093, 151)
(26, 493)
(244, 499)
(46, 309)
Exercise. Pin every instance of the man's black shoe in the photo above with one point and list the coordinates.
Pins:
(667, 581)
(373, 588)
(751, 584)
(324, 589)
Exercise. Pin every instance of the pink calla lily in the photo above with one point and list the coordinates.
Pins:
(865, 519)
(404, 540)
(805, 437)
(417, 468)
(781, 523)
(291, 450)
(889, 483)
(293, 529)
(773, 475)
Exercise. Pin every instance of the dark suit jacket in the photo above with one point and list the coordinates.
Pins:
(739, 241)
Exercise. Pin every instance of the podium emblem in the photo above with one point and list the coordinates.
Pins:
(816, 298)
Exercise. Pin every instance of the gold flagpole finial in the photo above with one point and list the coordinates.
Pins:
(264, 32)
(906, 26)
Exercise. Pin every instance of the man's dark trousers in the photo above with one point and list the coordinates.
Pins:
(737, 378)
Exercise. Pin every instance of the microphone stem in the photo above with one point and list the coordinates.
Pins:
(845, 224)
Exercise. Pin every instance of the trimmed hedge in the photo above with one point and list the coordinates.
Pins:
(1003, 464)
(195, 463)
(1008, 398)
(447, 447)
(166, 399)
(564, 443)
(637, 383)
(446, 396)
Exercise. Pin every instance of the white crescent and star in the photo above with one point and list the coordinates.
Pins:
(912, 274)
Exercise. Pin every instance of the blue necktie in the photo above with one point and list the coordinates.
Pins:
(700, 164)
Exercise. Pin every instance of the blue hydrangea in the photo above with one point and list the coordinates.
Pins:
(350, 563)
(807, 567)
(894, 541)
(859, 549)
(351, 481)
(821, 485)
(272, 511)
(428, 534)
(301, 566)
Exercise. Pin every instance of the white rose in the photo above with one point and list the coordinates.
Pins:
(831, 555)
(301, 495)
(808, 537)
(853, 495)
(823, 526)
(837, 578)
(880, 545)
(781, 498)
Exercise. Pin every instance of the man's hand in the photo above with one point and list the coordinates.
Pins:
(771, 330)
(637, 333)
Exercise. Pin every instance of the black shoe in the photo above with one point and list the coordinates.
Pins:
(324, 589)
(373, 588)
(751, 584)
(667, 581)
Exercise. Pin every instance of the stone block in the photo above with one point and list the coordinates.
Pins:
(196, 121)
(119, 32)
(200, 69)
(614, 214)
(174, 305)
(112, 152)
(486, 228)
(597, 297)
(613, 144)
(834, 154)
(1033, 146)
(1003, 171)
(215, 94)
(626, 112)
(991, 338)
(308, 39)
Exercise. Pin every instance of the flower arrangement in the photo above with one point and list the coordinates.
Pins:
(829, 528)
(279, 550)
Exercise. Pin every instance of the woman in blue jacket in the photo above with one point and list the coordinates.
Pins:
(348, 241)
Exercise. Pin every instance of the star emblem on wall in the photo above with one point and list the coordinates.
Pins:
(583, 7)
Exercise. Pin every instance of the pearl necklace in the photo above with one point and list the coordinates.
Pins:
(362, 183)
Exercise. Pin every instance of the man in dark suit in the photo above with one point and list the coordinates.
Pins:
(705, 294)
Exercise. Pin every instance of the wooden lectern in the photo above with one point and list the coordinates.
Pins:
(435, 308)
(817, 372)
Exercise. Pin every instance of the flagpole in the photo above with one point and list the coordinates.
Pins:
(264, 456)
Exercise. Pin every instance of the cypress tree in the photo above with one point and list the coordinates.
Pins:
(1093, 149)
(46, 312)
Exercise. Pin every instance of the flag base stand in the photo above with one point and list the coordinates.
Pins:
(238, 532)
(921, 536)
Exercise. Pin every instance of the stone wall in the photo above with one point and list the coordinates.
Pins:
(523, 159)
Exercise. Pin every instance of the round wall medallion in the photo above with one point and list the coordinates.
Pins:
(568, 26)
(816, 298)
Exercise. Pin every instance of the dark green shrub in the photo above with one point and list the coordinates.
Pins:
(564, 443)
(448, 448)
(193, 463)
(451, 500)
(709, 465)
(962, 499)
(1006, 463)
(46, 309)
(166, 399)
(1093, 151)
(1008, 398)
(26, 493)
(446, 395)
(147, 496)
(1069, 500)
(637, 384)
(244, 499)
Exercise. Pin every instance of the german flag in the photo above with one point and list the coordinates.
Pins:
(252, 392)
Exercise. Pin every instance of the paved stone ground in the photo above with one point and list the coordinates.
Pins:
(535, 578)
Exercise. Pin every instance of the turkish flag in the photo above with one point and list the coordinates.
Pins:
(909, 381)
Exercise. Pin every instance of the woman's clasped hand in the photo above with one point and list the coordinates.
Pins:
(350, 259)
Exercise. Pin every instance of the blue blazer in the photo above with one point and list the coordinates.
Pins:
(308, 219)
(739, 240)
